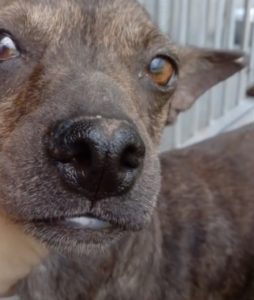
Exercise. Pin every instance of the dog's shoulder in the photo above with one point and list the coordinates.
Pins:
(220, 169)
(213, 180)
(228, 155)
(206, 213)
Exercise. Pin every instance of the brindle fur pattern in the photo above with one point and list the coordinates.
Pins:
(89, 58)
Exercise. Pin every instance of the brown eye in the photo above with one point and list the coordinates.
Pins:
(8, 49)
(161, 70)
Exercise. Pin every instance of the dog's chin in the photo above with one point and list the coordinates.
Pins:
(79, 235)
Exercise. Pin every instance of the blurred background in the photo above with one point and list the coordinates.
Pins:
(227, 24)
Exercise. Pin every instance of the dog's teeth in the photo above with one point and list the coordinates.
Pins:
(90, 223)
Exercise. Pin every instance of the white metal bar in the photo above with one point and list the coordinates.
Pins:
(245, 47)
(175, 20)
(230, 28)
(217, 44)
(247, 25)
(184, 17)
(200, 41)
(251, 70)
(164, 15)
(177, 133)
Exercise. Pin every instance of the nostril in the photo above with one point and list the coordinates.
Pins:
(132, 157)
(78, 153)
(82, 154)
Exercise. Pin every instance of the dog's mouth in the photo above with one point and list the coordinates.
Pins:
(87, 222)
(75, 233)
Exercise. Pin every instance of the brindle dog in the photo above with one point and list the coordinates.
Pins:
(87, 87)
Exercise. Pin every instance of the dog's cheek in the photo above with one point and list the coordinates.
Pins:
(20, 165)
(145, 195)
(149, 189)
(8, 118)
(159, 125)
(157, 115)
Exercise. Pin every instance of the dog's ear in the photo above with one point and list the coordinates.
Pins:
(250, 91)
(201, 69)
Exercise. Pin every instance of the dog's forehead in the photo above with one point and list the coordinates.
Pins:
(103, 21)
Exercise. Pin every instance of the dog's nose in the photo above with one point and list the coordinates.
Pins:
(100, 157)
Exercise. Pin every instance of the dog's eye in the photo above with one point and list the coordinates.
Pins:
(8, 48)
(161, 70)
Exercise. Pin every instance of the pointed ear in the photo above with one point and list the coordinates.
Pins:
(250, 91)
(201, 69)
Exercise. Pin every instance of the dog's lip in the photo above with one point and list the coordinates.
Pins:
(86, 221)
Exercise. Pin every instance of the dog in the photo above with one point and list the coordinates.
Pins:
(87, 87)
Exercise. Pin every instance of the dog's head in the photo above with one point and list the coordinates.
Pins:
(87, 87)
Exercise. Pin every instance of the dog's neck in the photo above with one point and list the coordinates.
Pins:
(132, 263)
(143, 253)
(120, 270)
